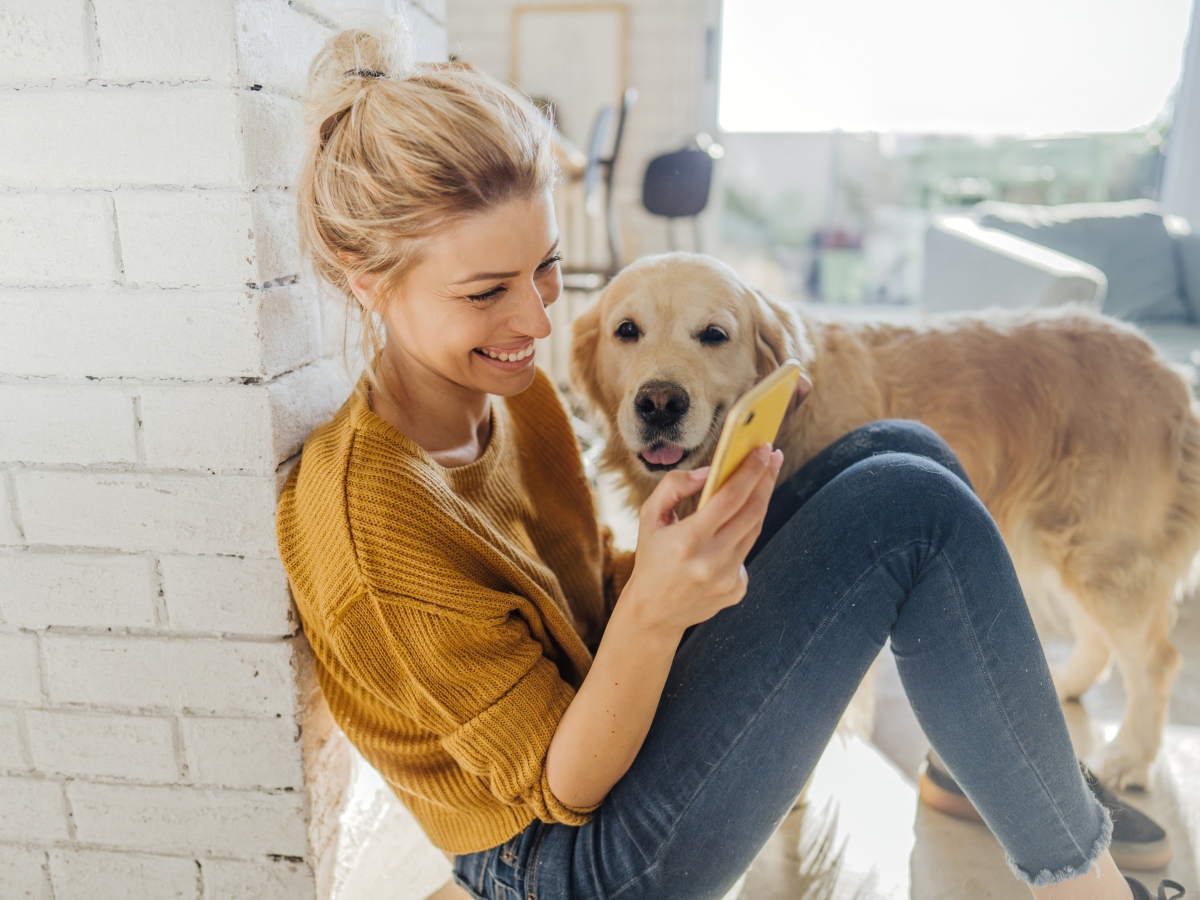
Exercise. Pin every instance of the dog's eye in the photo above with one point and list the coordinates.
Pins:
(627, 331)
(713, 335)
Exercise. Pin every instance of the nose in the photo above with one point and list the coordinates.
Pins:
(661, 403)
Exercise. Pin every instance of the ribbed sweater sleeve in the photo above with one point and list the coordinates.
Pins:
(483, 687)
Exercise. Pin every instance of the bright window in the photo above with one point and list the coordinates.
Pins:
(949, 66)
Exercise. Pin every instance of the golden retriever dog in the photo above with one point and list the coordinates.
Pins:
(1078, 436)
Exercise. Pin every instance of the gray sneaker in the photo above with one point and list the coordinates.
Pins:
(1138, 842)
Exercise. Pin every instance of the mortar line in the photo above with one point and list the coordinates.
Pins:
(93, 36)
(162, 613)
(46, 872)
(68, 809)
(139, 434)
(24, 739)
(43, 678)
(14, 506)
(118, 254)
(181, 763)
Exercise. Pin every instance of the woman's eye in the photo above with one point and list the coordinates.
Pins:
(627, 331)
(713, 335)
(488, 295)
(548, 264)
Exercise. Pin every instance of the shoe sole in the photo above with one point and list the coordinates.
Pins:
(1125, 855)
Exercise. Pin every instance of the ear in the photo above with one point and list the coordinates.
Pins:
(585, 339)
(776, 333)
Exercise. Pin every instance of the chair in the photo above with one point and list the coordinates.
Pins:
(599, 171)
(676, 186)
(1128, 259)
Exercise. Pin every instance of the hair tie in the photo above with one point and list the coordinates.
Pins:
(365, 73)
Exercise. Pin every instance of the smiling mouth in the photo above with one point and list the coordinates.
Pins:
(663, 456)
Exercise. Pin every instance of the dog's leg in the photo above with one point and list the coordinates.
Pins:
(1089, 657)
(1148, 662)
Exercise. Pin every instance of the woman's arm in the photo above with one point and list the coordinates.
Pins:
(685, 572)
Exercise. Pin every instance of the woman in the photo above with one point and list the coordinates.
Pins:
(572, 722)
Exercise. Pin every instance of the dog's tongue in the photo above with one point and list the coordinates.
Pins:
(663, 454)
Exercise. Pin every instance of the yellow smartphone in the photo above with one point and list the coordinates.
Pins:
(752, 421)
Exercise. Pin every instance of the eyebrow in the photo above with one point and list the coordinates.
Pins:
(496, 276)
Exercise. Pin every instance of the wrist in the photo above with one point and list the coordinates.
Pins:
(635, 616)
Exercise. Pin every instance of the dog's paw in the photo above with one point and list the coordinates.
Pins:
(1067, 687)
(1122, 767)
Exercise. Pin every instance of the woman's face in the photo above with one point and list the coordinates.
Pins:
(470, 310)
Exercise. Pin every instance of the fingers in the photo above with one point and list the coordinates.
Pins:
(745, 525)
(659, 507)
(733, 494)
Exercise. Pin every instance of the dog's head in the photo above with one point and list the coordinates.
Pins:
(665, 350)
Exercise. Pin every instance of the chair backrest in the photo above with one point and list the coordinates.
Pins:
(596, 162)
(677, 184)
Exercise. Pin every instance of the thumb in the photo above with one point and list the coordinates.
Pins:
(659, 507)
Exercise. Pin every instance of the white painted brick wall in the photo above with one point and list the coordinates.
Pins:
(12, 754)
(174, 514)
(52, 239)
(245, 753)
(190, 819)
(76, 424)
(103, 745)
(161, 364)
(23, 873)
(228, 677)
(100, 875)
(82, 590)
(44, 40)
(227, 595)
(263, 880)
(148, 40)
(22, 681)
(34, 810)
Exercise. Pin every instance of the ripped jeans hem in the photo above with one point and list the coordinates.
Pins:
(1047, 877)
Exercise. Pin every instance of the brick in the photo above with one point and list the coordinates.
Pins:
(273, 133)
(23, 874)
(207, 238)
(103, 745)
(175, 514)
(87, 590)
(33, 810)
(121, 136)
(9, 532)
(19, 678)
(158, 334)
(302, 400)
(243, 753)
(197, 675)
(227, 594)
(44, 39)
(151, 40)
(236, 428)
(58, 239)
(81, 424)
(99, 875)
(12, 757)
(263, 27)
(227, 879)
(187, 819)
(219, 428)
(197, 238)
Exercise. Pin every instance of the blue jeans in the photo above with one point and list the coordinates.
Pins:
(878, 536)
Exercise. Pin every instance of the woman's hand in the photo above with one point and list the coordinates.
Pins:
(684, 573)
(687, 571)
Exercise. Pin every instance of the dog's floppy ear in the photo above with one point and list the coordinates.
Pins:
(585, 339)
(776, 330)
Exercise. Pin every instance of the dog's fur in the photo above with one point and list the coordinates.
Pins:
(1078, 436)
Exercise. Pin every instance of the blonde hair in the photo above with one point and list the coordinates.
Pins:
(396, 151)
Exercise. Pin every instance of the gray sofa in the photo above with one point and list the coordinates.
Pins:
(1128, 259)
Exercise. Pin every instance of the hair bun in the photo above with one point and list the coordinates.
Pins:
(378, 51)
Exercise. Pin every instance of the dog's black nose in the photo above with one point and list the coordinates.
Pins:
(660, 404)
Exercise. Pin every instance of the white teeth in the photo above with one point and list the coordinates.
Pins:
(510, 357)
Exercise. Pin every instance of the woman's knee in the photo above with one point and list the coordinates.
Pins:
(908, 436)
(916, 486)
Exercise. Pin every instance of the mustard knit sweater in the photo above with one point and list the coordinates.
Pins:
(451, 611)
